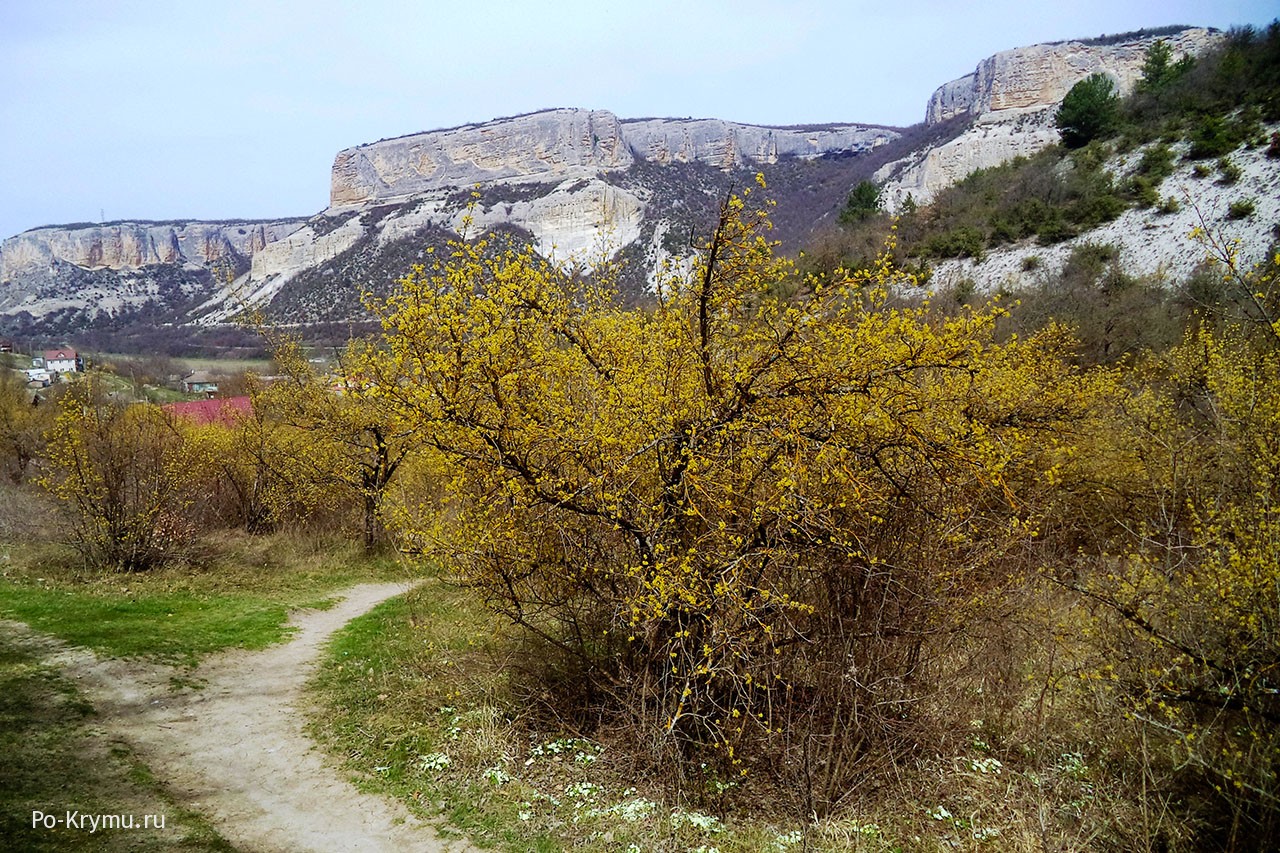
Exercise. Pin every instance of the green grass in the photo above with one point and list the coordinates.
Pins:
(239, 599)
(52, 761)
(380, 709)
(228, 365)
(179, 625)
(424, 677)
(221, 365)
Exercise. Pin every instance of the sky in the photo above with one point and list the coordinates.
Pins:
(223, 109)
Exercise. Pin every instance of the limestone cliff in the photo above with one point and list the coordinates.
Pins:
(540, 146)
(553, 145)
(95, 268)
(1010, 100)
(1041, 75)
(553, 176)
(575, 182)
(543, 173)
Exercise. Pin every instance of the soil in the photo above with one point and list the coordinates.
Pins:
(233, 747)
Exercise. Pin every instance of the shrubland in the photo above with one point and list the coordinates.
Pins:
(793, 555)
(800, 547)
(807, 550)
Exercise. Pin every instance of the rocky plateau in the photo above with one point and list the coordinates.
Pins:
(580, 184)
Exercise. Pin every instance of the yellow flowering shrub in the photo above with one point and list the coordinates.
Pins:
(125, 477)
(740, 514)
(1191, 640)
(325, 438)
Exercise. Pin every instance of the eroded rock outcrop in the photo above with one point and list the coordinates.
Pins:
(90, 269)
(1010, 100)
(1042, 74)
(131, 245)
(543, 173)
(550, 146)
(540, 146)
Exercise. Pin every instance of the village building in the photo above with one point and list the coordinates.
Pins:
(225, 411)
(63, 360)
(200, 382)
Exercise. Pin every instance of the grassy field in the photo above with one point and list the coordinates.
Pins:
(216, 365)
(239, 597)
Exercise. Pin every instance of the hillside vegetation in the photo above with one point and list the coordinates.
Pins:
(1208, 107)
(777, 532)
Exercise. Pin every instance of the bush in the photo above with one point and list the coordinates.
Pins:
(23, 422)
(1055, 230)
(1214, 136)
(1144, 191)
(963, 242)
(1156, 163)
(1228, 171)
(126, 477)
(1190, 648)
(1241, 209)
(717, 509)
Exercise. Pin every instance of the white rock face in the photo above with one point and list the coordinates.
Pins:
(278, 262)
(579, 220)
(568, 143)
(131, 245)
(1042, 74)
(727, 144)
(1011, 98)
(1151, 243)
(541, 146)
(109, 268)
(991, 140)
(575, 222)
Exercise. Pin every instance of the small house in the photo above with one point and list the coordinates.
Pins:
(200, 382)
(62, 361)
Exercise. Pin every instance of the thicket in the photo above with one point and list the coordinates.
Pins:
(140, 487)
(728, 515)
(778, 531)
(123, 474)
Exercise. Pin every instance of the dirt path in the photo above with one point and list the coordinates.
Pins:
(235, 750)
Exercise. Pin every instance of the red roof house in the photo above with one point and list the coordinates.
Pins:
(225, 411)
(62, 360)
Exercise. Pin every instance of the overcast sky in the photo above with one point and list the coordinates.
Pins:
(235, 108)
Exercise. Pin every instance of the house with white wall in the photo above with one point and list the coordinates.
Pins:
(62, 361)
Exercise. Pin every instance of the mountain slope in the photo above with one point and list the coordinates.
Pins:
(579, 184)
